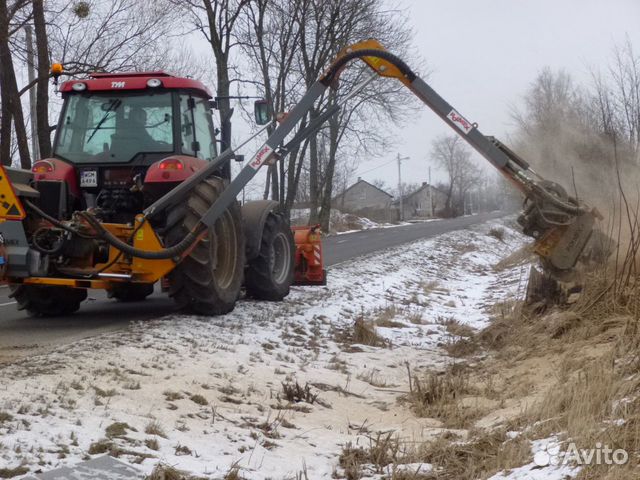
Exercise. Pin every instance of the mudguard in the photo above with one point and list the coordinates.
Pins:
(254, 215)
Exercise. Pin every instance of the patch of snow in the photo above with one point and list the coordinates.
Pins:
(544, 466)
(341, 223)
(532, 471)
(215, 385)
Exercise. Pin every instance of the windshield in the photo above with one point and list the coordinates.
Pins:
(115, 128)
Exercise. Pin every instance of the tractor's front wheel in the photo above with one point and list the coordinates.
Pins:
(208, 280)
(270, 274)
(48, 301)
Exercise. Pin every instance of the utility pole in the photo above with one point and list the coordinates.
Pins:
(400, 159)
(31, 69)
(430, 195)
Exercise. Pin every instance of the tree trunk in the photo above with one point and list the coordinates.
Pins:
(267, 185)
(327, 193)
(42, 93)
(296, 158)
(5, 112)
(9, 89)
(313, 178)
(275, 188)
(5, 122)
(224, 107)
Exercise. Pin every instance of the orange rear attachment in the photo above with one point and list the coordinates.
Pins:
(309, 267)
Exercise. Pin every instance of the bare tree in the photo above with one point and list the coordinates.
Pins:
(42, 92)
(291, 42)
(359, 127)
(10, 22)
(269, 35)
(616, 99)
(569, 133)
(114, 35)
(453, 155)
(217, 20)
(85, 36)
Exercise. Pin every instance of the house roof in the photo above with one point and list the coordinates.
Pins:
(422, 187)
(365, 182)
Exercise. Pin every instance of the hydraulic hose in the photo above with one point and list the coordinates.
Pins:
(57, 222)
(166, 253)
(564, 206)
(114, 241)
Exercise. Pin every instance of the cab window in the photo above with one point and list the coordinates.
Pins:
(107, 128)
(196, 129)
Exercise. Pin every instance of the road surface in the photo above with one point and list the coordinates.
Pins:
(20, 334)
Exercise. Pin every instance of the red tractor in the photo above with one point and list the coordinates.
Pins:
(123, 142)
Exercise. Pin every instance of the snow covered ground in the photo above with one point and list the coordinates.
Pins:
(207, 395)
(341, 223)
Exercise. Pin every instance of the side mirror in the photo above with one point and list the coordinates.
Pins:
(261, 112)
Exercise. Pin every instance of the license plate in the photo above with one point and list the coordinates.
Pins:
(89, 178)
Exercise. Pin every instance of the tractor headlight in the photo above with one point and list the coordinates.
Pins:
(154, 83)
(79, 87)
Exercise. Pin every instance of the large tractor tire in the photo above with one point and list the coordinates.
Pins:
(270, 274)
(48, 301)
(209, 279)
(130, 292)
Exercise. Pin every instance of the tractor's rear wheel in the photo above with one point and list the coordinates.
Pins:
(208, 280)
(270, 274)
(48, 301)
(130, 292)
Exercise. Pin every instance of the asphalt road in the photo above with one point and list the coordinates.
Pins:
(20, 334)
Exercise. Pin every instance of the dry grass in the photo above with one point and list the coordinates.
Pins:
(118, 429)
(454, 327)
(497, 233)
(598, 402)
(154, 428)
(152, 444)
(362, 332)
(372, 377)
(104, 393)
(430, 286)
(13, 472)
(595, 395)
(462, 347)
(101, 446)
(441, 395)
(167, 472)
(463, 341)
(365, 334)
(570, 369)
(199, 399)
(233, 474)
(486, 453)
(294, 393)
(172, 396)
(384, 317)
(384, 455)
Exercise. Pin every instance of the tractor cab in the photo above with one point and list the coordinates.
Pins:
(134, 119)
(123, 140)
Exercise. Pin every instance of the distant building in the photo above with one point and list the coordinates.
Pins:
(365, 199)
(425, 202)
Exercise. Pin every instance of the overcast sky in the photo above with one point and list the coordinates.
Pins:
(483, 55)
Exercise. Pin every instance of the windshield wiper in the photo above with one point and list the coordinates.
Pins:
(113, 105)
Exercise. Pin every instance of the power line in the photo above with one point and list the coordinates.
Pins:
(375, 168)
